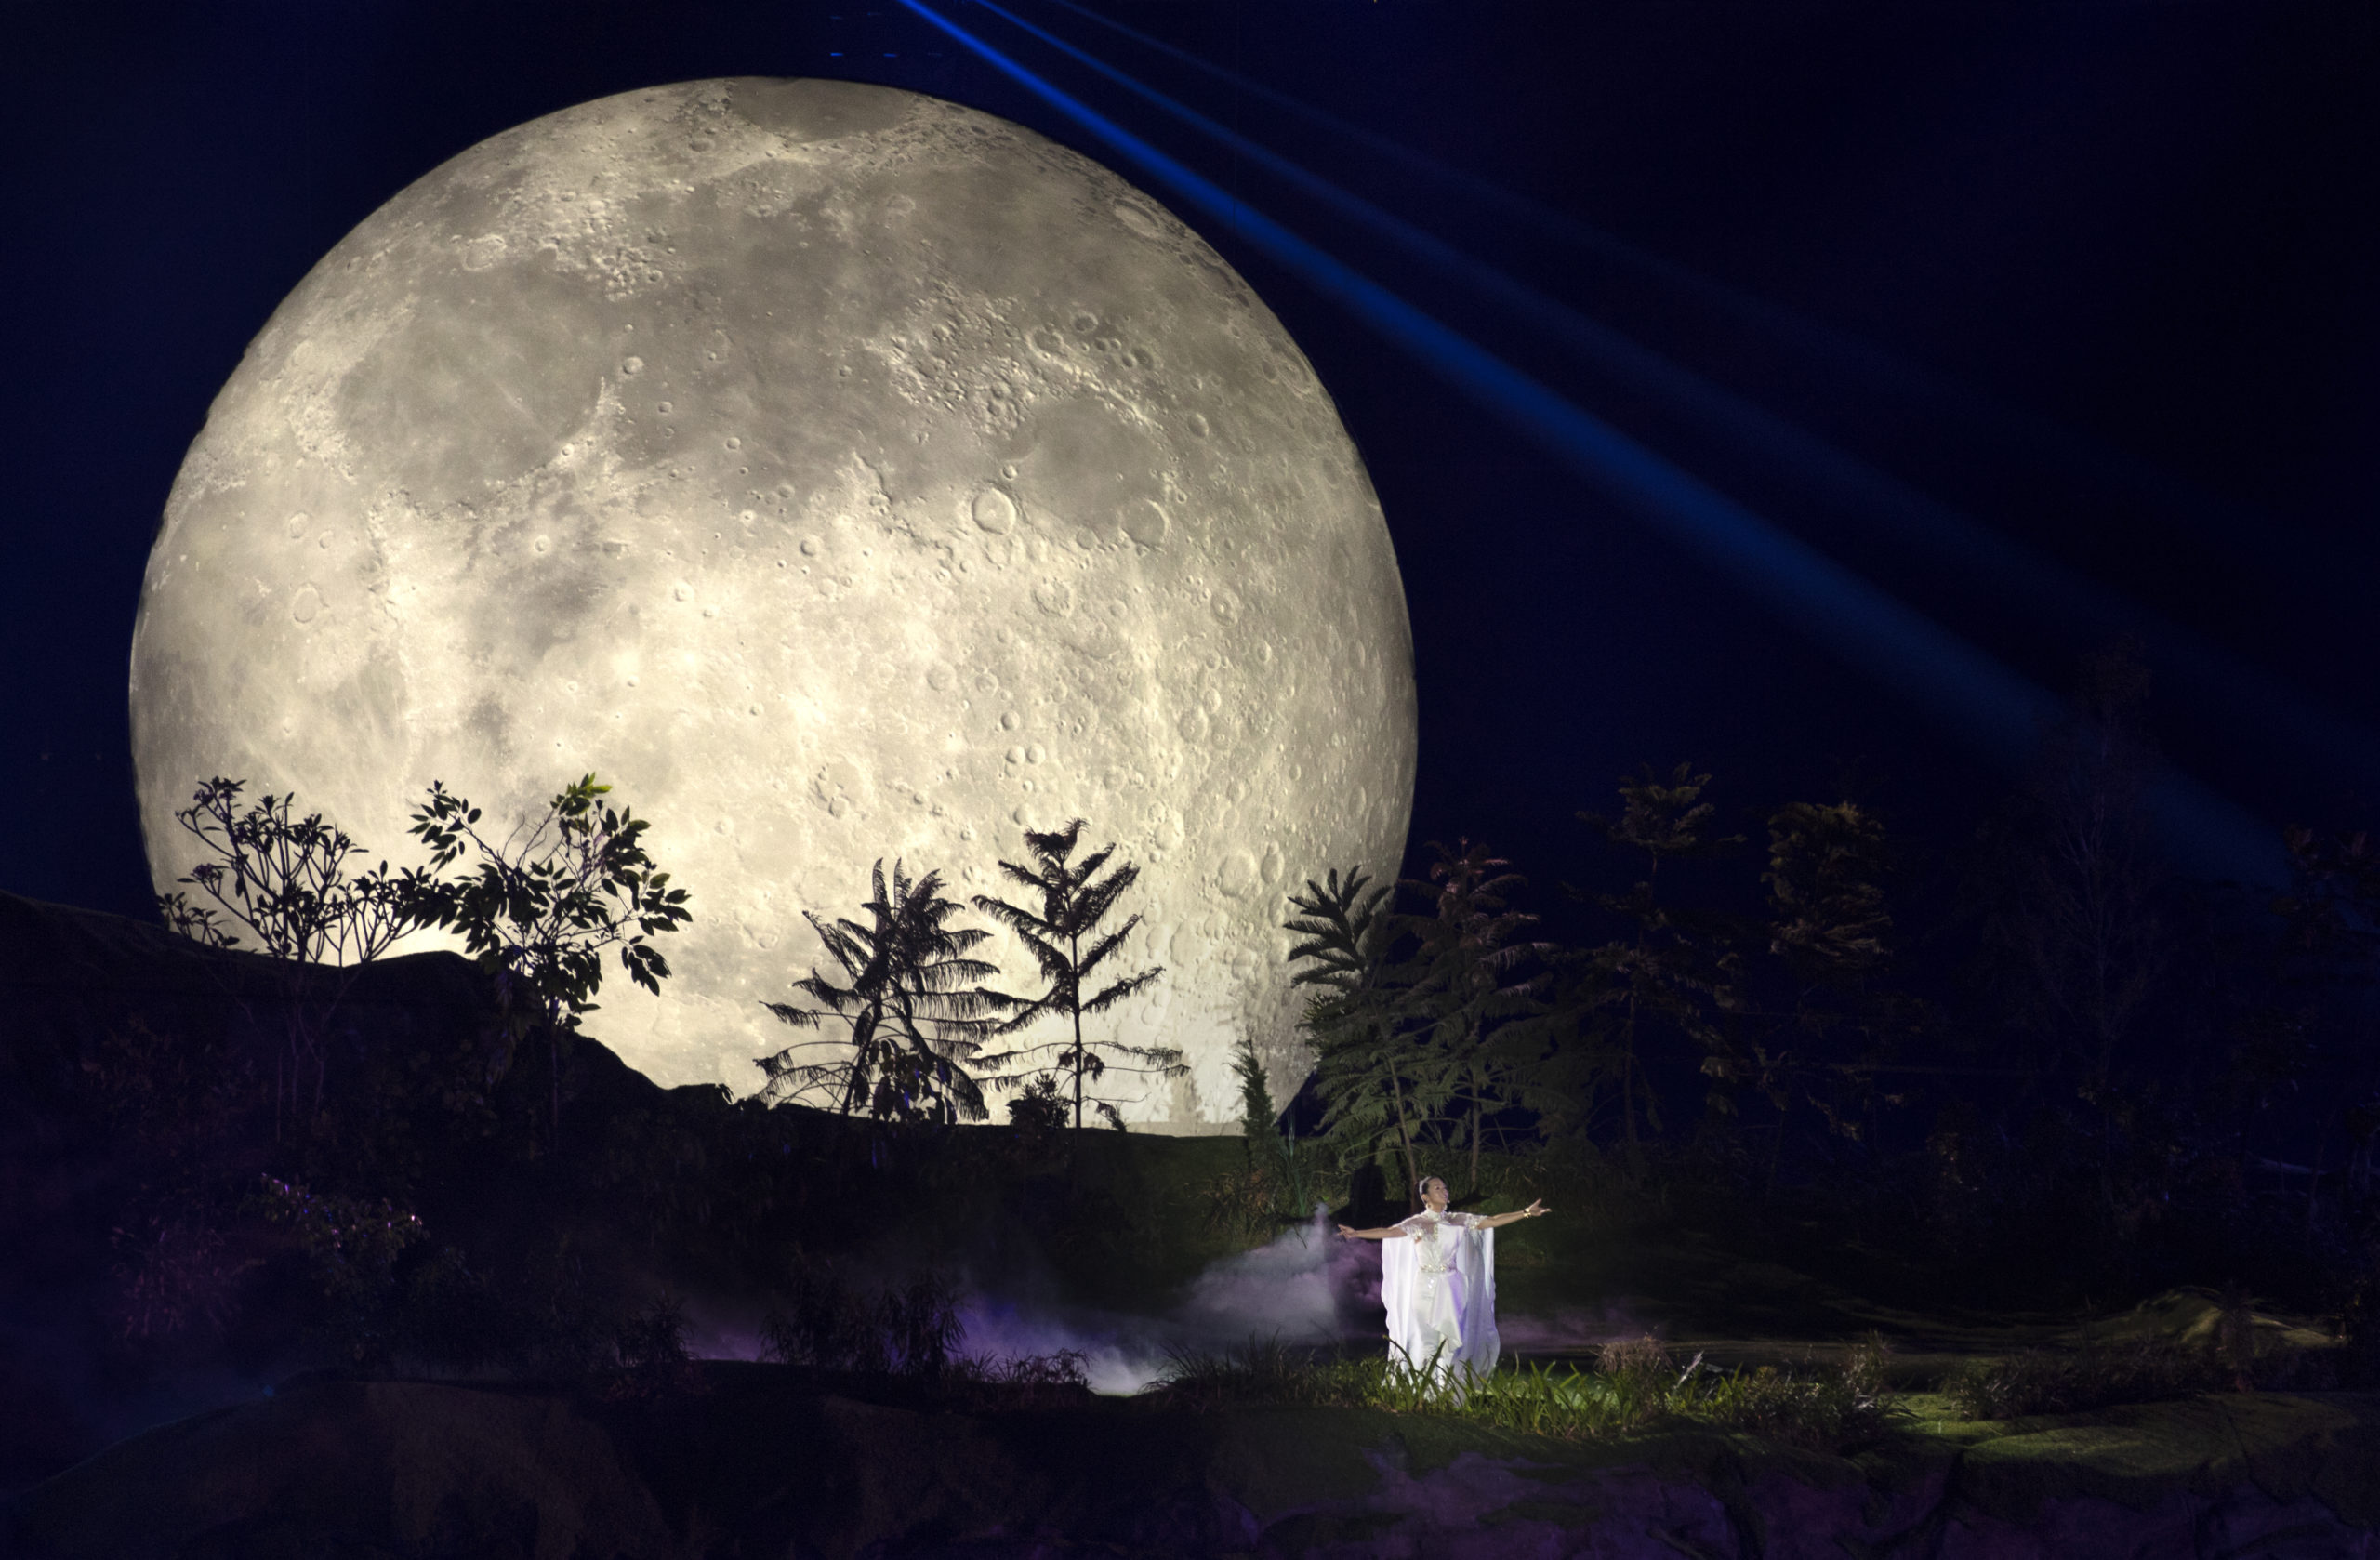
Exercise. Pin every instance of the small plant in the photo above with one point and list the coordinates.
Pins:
(176, 1276)
(1639, 1378)
(1257, 1115)
(352, 1242)
(1038, 1115)
(821, 1322)
(1240, 1204)
(353, 1246)
(450, 1317)
(1266, 1370)
(920, 1323)
(1819, 1409)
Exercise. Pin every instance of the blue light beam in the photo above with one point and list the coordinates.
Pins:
(1978, 702)
(1887, 504)
(2220, 521)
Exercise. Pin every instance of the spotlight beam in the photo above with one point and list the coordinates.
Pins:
(1888, 506)
(1977, 701)
(2217, 521)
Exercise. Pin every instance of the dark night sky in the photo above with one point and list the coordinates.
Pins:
(2097, 286)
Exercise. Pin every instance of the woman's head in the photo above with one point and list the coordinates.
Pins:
(1434, 1192)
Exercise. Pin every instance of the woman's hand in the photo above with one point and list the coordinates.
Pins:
(1346, 1233)
(1531, 1212)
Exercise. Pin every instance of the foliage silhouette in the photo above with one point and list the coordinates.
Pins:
(539, 909)
(1821, 1038)
(1257, 1115)
(286, 881)
(1073, 900)
(1675, 971)
(913, 1006)
(1461, 991)
(1373, 1078)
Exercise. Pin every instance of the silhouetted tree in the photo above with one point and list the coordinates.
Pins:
(912, 1002)
(2079, 930)
(1257, 1114)
(2077, 939)
(1073, 900)
(1674, 970)
(539, 909)
(2331, 947)
(1373, 1078)
(286, 881)
(1827, 931)
(1463, 988)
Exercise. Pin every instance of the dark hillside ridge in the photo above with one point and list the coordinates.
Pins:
(142, 1111)
(67, 976)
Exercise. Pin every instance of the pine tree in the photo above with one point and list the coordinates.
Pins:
(1073, 900)
(1257, 1113)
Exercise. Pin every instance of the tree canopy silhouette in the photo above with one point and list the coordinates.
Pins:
(1073, 900)
(911, 999)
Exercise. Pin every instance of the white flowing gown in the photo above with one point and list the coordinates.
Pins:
(1439, 1287)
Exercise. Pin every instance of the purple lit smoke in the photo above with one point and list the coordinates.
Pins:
(1304, 1287)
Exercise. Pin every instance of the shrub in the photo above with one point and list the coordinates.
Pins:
(451, 1317)
(174, 1277)
(2038, 1381)
(909, 1329)
(650, 1347)
(1021, 1380)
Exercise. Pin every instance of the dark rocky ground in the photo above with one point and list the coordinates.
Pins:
(755, 1460)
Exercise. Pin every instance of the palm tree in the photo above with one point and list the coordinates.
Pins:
(912, 1002)
(1075, 899)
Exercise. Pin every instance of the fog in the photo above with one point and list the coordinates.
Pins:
(1305, 1286)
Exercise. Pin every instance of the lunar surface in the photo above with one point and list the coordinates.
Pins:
(842, 474)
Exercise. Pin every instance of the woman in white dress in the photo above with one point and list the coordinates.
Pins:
(1438, 1282)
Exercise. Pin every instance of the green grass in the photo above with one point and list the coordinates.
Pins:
(1633, 1387)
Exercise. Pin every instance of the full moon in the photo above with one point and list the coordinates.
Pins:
(841, 474)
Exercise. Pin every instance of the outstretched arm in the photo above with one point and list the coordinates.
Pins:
(1390, 1232)
(1531, 1212)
